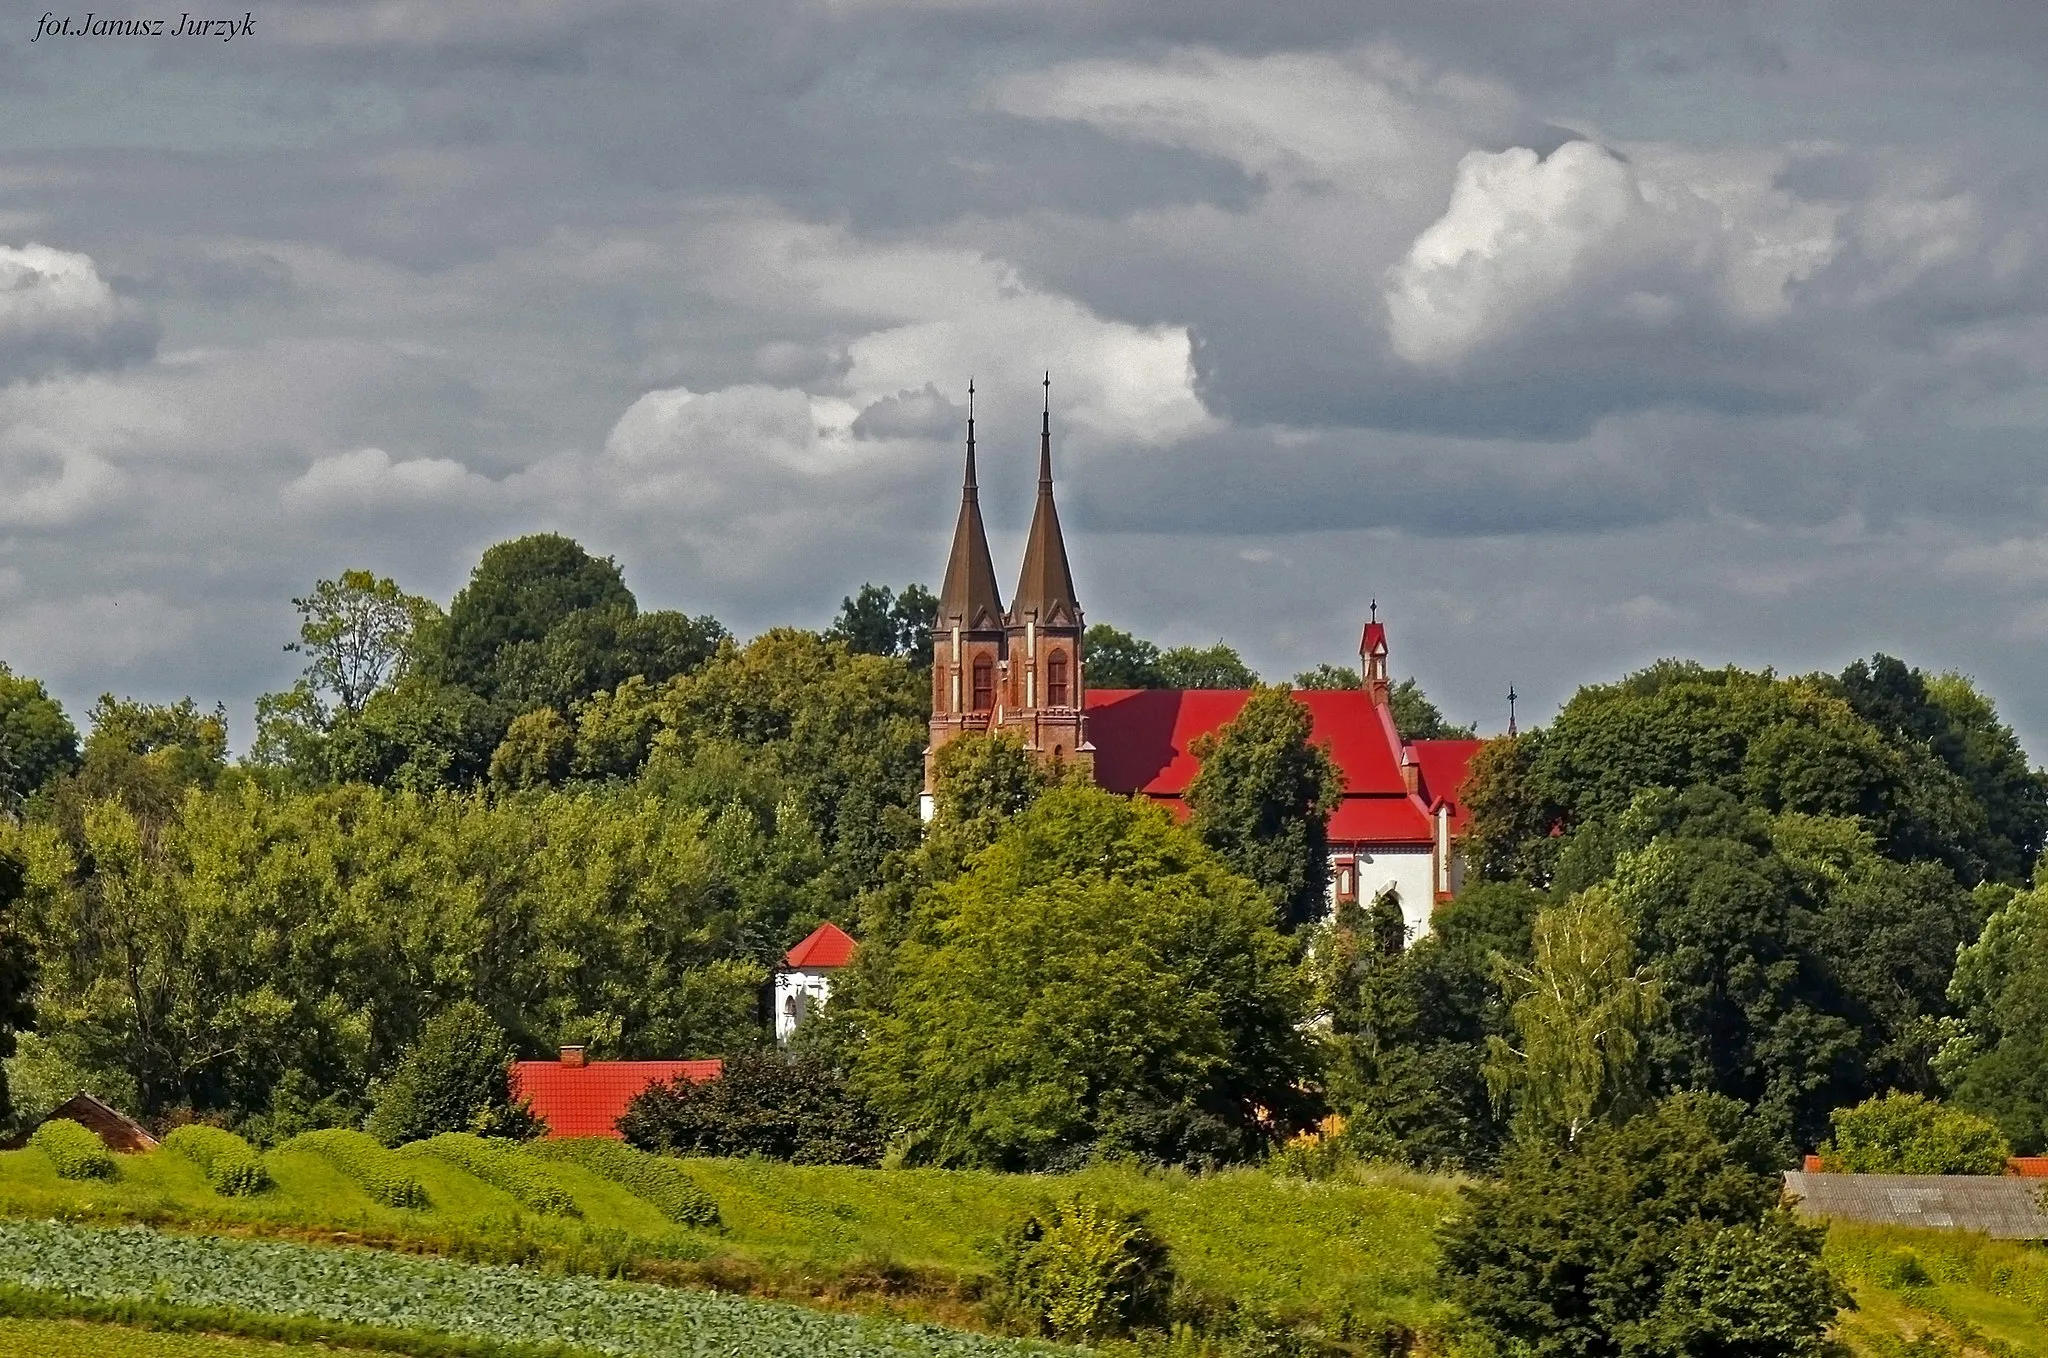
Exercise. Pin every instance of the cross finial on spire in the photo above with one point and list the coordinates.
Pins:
(1375, 615)
(969, 487)
(1511, 710)
(1048, 391)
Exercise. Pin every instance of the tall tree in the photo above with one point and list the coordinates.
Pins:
(1116, 659)
(1581, 1008)
(520, 591)
(980, 782)
(1417, 718)
(1263, 800)
(37, 741)
(17, 973)
(1097, 981)
(1997, 1065)
(1217, 666)
(878, 621)
(357, 633)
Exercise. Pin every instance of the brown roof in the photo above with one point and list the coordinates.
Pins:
(115, 1129)
(2002, 1206)
(969, 599)
(1045, 587)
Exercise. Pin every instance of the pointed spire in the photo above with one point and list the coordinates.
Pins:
(1045, 588)
(970, 598)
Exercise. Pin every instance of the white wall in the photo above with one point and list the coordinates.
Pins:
(1409, 871)
(799, 991)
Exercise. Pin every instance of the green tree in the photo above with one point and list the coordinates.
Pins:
(1661, 1235)
(418, 735)
(17, 974)
(357, 635)
(1217, 666)
(782, 1105)
(1417, 718)
(1330, 676)
(1912, 1134)
(980, 781)
(1263, 800)
(1580, 1010)
(37, 741)
(455, 1078)
(1997, 1063)
(1116, 659)
(537, 750)
(519, 592)
(879, 621)
(144, 755)
(1097, 981)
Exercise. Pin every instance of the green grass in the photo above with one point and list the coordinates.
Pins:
(82, 1339)
(1968, 1293)
(898, 1242)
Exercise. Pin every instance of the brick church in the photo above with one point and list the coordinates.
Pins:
(1023, 669)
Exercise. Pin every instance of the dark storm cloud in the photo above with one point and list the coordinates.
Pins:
(1637, 305)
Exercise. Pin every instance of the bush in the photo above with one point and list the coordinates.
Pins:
(1081, 1271)
(455, 1078)
(503, 1167)
(1912, 1134)
(75, 1151)
(230, 1164)
(365, 1163)
(650, 1178)
(785, 1107)
(1318, 1153)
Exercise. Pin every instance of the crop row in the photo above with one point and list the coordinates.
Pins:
(363, 1160)
(655, 1179)
(501, 1166)
(414, 1294)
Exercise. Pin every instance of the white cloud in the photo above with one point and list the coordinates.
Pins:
(56, 310)
(369, 479)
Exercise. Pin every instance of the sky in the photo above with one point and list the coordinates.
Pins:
(1575, 334)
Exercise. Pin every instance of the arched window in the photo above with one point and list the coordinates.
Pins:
(1056, 680)
(984, 683)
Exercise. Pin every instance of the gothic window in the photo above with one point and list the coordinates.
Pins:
(1056, 680)
(984, 683)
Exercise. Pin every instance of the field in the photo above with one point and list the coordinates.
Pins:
(80, 1339)
(1335, 1259)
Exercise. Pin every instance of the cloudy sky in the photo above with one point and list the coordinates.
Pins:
(1577, 333)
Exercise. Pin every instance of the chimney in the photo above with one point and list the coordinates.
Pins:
(1411, 774)
(572, 1056)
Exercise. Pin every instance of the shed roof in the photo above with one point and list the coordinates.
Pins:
(589, 1099)
(2002, 1206)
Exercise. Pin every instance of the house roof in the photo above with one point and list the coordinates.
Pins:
(589, 1099)
(1142, 740)
(828, 945)
(2001, 1206)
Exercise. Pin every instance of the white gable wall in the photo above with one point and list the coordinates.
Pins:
(799, 991)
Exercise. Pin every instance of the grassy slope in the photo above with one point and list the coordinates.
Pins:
(1972, 1294)
(78, 1339)
(1357, 1249)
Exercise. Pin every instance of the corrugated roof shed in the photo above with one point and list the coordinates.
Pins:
(2001, 1206)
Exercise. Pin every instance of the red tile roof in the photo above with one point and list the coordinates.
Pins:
(828, 946)
(588, 1100)
(1142, 739)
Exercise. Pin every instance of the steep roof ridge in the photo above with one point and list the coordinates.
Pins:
(970, 598)
(1045, 587)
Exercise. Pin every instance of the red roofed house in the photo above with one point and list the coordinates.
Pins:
(576, 1097)
(1020, 669)
(804, 983)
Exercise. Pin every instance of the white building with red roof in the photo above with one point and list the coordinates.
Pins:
(1022, 670)
(803, 983)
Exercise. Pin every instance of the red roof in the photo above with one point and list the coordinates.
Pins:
(588, 1100)
(1142, 739)
(828, 946)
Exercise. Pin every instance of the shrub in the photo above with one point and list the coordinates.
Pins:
(651, 1178)
(366, 1163)
(75, 1151)
(1912, 1134)
(230, 1164)
(1081, 1271)
(503, 1167)
(786, 1107)
(1315, 1154)
(455, 1078)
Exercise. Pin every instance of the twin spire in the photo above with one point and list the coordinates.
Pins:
(1045, 587)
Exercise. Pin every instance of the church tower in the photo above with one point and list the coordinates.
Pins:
(967, 634)
(1042, 697)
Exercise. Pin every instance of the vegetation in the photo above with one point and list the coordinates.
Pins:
(1911, 1134)
(786, 1107)
(657, 1180)
(229, 1163)
(1116, 659)
(79, 1339)
(1095, 982)
(1997, 1062)
(366, 1163)
(528, 1182)
(454, 1079)
(1082, 1272)
(1263, 800)
(74, 1152)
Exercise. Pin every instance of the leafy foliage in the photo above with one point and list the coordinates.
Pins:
(784, 1106)
(1912, 1134)
(230, 1164)
(366, 1163)
(1115, 659)
(651, 1178)
(37, 741)
(1217, 666)
(456, 1078)
(1082, 1271)
(980, 781)
(503, 1167)
(1263, 800)
(357, 634)
(73, 1150)
(1660, 1235)
(1997, 1062)
(1096, 981)
(425, 1297)
(880, 622)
